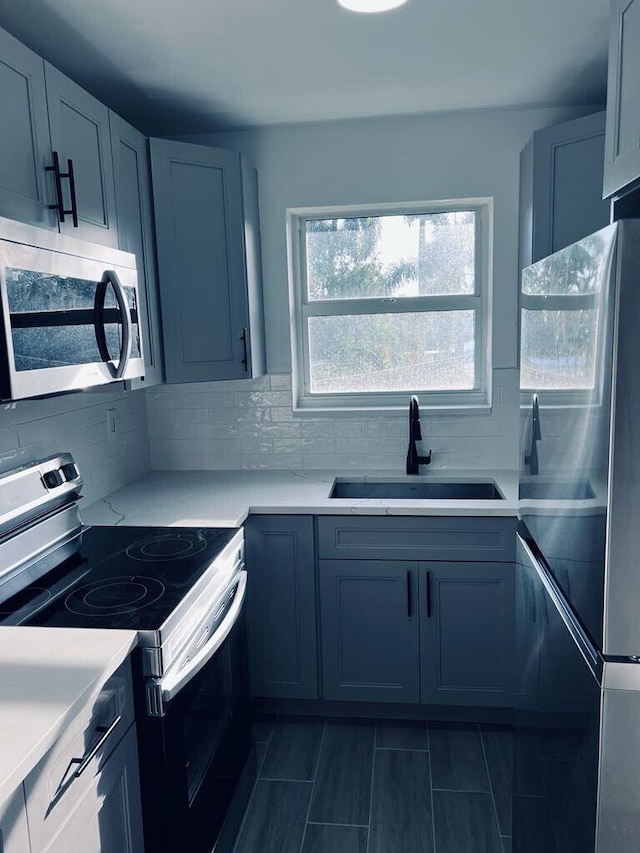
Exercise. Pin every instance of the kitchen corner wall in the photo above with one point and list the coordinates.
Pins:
(34, 429)
(250, 424)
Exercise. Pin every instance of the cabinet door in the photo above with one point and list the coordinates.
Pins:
(14, 833)
(25, 150)
(369, 630)
(198, 201)
(467, 633)
(622, 150)
(282, 606)
(108, 818)
(135, 234)
(79, 127)
(560, 187)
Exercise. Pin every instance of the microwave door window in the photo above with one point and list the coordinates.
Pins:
(53, 320)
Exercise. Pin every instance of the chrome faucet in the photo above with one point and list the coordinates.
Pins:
(532, 458)
(415, 434)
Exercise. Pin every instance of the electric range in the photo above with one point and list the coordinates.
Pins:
(182, 589)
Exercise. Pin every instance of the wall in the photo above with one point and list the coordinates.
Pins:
(34, 429)
(457, 155)
(250, 424)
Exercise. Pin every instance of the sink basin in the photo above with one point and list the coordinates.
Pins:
(420, 491)
(539, 490)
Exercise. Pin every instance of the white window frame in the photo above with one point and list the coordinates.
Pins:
(300, 309)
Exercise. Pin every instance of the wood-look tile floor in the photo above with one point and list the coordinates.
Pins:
(365, 786)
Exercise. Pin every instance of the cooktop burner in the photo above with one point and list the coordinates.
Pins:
(99, 586)
(114, 596)
(168, 546)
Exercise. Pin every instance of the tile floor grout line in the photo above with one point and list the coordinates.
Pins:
(313, 784)
(247, 809)
(433, 813)
(493, 799)
(398, 749)
(373, 771)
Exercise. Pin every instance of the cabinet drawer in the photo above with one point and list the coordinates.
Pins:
(108, 816)
(417, 538)
(52, 791)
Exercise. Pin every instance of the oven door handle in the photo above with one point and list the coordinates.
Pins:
(173, 683)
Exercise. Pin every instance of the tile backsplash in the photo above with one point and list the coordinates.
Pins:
(250, 424)
(34, 429)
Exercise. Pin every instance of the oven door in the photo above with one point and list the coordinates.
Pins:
(193, 756)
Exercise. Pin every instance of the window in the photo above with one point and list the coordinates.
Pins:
(390, 301)
(564, 321)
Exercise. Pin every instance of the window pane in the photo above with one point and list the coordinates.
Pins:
(576, 270)
(392, 352)
(429, 254)
(558, 349)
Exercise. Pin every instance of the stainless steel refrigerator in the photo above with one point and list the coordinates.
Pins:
(577, 732)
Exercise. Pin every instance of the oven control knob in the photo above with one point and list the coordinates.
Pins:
(70, 471)
(52, 479)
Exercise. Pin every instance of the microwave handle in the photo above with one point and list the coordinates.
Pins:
(111, 277)
(173, 682)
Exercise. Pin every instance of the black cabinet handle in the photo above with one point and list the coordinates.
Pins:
(409, 594)
(428, 595)
(245, 358)
(72, 190)
(58, 176)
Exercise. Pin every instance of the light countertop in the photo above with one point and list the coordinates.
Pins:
(46, 676)
(226, 498)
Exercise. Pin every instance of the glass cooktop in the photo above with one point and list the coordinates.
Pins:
(121, 577)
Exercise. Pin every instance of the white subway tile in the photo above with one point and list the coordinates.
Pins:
(332, 429)
(271, 430)
(280, 381)
(264, 398)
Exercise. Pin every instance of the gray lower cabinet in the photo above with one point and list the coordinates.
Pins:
(79, 128)
(281, 606)
(369, 630)
(108, 817)
(14, 831)
(208, 240)
(467, 633)
(622, 150)
(438, 630)
(136, 234)
(98, 810)
(561, 171)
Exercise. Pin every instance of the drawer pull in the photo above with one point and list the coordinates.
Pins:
(105, 732)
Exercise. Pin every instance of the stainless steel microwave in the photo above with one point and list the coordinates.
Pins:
(69, 313)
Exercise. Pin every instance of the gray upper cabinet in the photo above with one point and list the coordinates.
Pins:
(207, 229)
(467, 633)
(14, 832)
(281, 605)
(622, 152)
(369, 630)
(79, 127)
(135, 234)
(25, 149)
(561, 171)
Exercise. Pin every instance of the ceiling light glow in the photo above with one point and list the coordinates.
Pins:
(371, 5)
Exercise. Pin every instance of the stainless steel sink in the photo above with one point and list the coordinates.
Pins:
(405, 490)
(541, 490)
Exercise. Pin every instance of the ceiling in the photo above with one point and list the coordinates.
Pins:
(201, 65)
